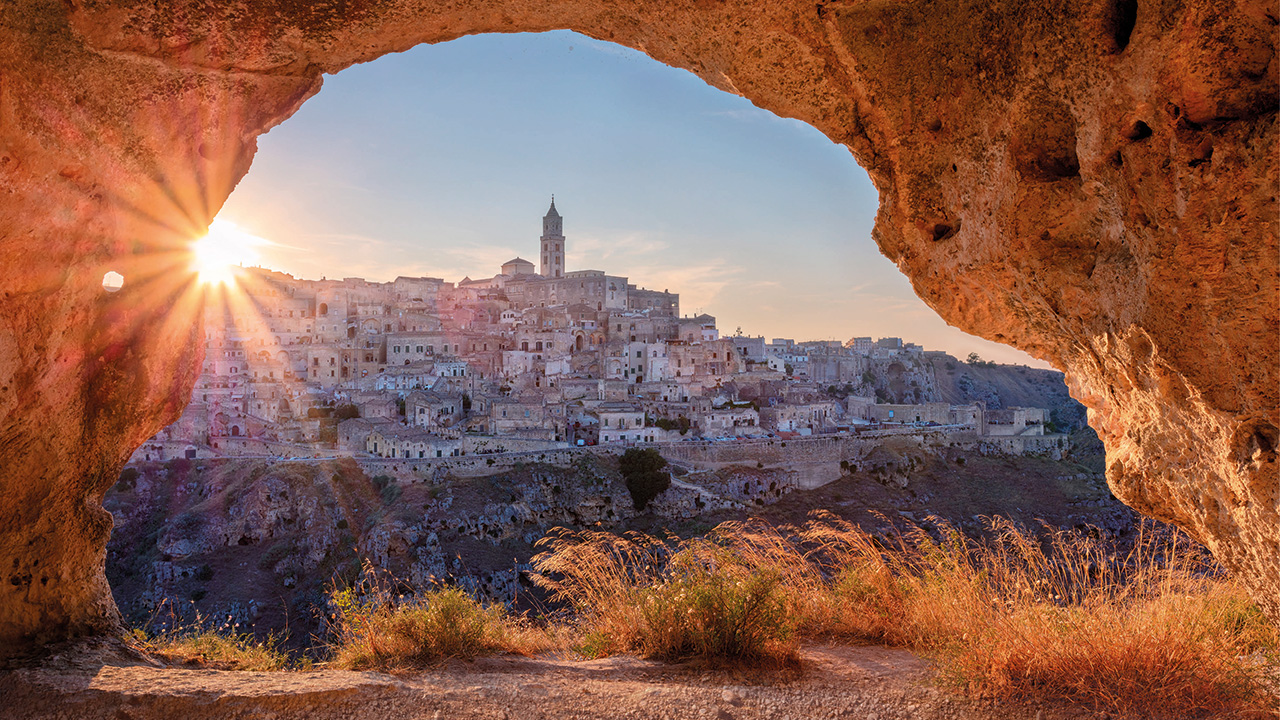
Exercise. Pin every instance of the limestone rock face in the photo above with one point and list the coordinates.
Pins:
(1092, 181)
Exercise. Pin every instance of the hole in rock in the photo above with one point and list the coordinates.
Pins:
(112, 281)
(1138, 131)
(1124, 16)
(942, 231)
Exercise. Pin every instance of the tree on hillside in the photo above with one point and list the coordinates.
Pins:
(645, 474)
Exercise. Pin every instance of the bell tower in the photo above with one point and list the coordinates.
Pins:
(552, 243)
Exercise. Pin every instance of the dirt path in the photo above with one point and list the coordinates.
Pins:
(871, 683)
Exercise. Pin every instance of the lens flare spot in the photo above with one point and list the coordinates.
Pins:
(112, 282)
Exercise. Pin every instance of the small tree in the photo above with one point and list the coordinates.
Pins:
(974, 359)
(645, 474)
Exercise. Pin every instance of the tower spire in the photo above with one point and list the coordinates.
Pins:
(552, 243)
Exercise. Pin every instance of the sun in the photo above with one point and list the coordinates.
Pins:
(225, 248)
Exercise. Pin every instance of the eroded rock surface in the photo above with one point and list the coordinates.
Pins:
(1093, 182)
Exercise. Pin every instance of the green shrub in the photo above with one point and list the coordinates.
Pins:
(390, 493)
(128, 479)
(645, 474)
(178, 466)
(205, 573)
(187, 524)
(275, 554)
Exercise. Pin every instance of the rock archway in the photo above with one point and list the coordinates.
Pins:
(1092, 181)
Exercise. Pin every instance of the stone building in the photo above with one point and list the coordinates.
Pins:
(398, 441)
(622, 422)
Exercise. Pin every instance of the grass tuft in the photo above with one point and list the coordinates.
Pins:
(380, 630)
(219, 650)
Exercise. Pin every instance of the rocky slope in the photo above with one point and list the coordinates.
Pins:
(1001, 386)
(1094, 182)
(258, 546)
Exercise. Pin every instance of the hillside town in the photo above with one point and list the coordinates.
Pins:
(534, 357)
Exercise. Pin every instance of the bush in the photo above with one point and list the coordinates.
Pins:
(187, 524)
(128, 479)
(715, 615)
(205, 573)
(178, 466)
(217, 649)
(380, 632)
(645, 474)
(346, 412)
(275, 554)
(681, 423)
(390, 493)
(670, 599)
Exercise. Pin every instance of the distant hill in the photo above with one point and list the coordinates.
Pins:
(1001, 386)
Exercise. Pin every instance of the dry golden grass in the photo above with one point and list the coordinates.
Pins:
(1156, 632)
(381, 630)
(670, 599)
(215, 649)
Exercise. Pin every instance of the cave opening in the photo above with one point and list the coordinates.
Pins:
(110, 109)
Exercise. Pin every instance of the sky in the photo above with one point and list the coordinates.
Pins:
(442, 160)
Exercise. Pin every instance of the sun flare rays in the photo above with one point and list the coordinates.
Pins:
(227, 247)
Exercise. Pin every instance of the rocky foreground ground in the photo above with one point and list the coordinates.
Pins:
(99, 679)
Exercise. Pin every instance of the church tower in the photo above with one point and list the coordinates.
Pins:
(552, 243)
